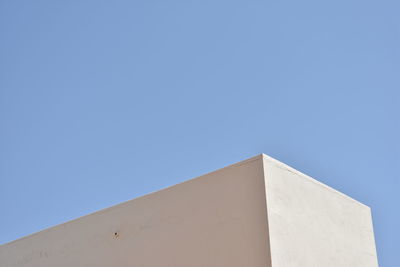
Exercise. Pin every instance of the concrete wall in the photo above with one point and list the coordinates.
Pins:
(216, 220)
(257, 213)
(312, 225)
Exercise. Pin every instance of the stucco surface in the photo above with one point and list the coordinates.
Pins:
(216, 220)
(313, 225)
(258, 213)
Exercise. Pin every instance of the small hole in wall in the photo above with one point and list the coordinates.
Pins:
(116, 234)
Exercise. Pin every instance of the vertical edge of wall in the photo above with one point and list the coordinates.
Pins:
(268, 238)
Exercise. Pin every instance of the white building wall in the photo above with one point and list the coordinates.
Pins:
(313, 225)
(256, 213)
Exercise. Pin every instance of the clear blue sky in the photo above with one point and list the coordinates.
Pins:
(104, 101)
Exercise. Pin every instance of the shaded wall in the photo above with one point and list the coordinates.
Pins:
(216, 220)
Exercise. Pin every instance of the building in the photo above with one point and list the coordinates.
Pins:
(258, 212)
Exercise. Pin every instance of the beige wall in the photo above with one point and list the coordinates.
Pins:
(216, 220)
(254, 213)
